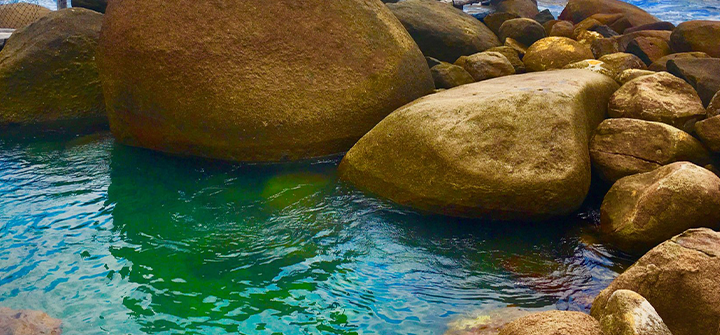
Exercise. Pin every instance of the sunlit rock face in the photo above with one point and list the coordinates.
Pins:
(261, 81)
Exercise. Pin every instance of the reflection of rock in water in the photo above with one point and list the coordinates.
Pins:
(28, 322)
(203, 241)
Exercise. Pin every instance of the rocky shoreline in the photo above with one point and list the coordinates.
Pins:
(503, 117)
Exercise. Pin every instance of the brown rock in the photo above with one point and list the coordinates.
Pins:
(562, 29)
(652, 26)
(525, 31)
(604, 46)
(48, 73)
(523, 8)
(495, 20)
(714, 106)
(486, 65)
(507, 148)
(679, 279)
(517, 46)
(660, 97)
(447, 75)
(20, 14)
(628, 313)
(649, 49)
(587, 24)
(555, 53)
(27, 322)
(702, 73)
(709, 132)
(485, 322)
(553, 323)
(661, 64)
(442, 31)
(699, 35)
(617, 22)
(622, 61)
(626, 76)
(578, 10)
(624, 147)
(643, 210)
(511, 55)
(342, 66)
(587, 38)
(595, 66)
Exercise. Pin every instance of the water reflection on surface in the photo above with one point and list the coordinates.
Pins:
(124, 240)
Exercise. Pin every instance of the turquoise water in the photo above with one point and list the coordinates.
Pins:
(119, 240)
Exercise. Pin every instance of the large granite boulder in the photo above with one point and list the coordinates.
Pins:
(263, 83)
(624, 147)
(28, 322)
(448, 75)
(697, 36)
(553, 323)
(555, 53)
(96, 5)
(628, 313)
(702, 73)
(680, 280)
(486, 65)
(643, 210)
(661, 97)
(578, 10)
(20, 14)
(48, 72)
(442, 31)
(514, 147)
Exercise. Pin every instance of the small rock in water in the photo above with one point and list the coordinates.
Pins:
(28, 322)
(486, 65)
(660, 97)
(643, 210)
(555, 323)
(680, 280)
(624, 147)
(628, 313)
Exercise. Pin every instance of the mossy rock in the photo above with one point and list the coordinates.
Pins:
(257, 82)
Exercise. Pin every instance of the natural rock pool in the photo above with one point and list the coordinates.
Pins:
(118, 240)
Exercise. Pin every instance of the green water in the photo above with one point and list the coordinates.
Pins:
(119, 240)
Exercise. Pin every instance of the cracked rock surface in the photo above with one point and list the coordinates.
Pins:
(680, 280)
(623, 147)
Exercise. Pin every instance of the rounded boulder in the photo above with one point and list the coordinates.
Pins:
(259, 83)
(555, 53)
(553, 323)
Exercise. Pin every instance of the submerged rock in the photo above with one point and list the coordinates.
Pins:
(514, 147)
(553, 323)
(27, 322)
(442, 31)
(660, 97)
(698, 35)
(578, 10)
(624, 147)
(48, 72)
(643, 210)
(265, 83)
(679, 279)
(555, 53)
(20, 14)
(702, 73)
(447, 75)
(486, 65)
(628, 313)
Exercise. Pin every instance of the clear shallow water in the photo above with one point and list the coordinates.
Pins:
(119, 240)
